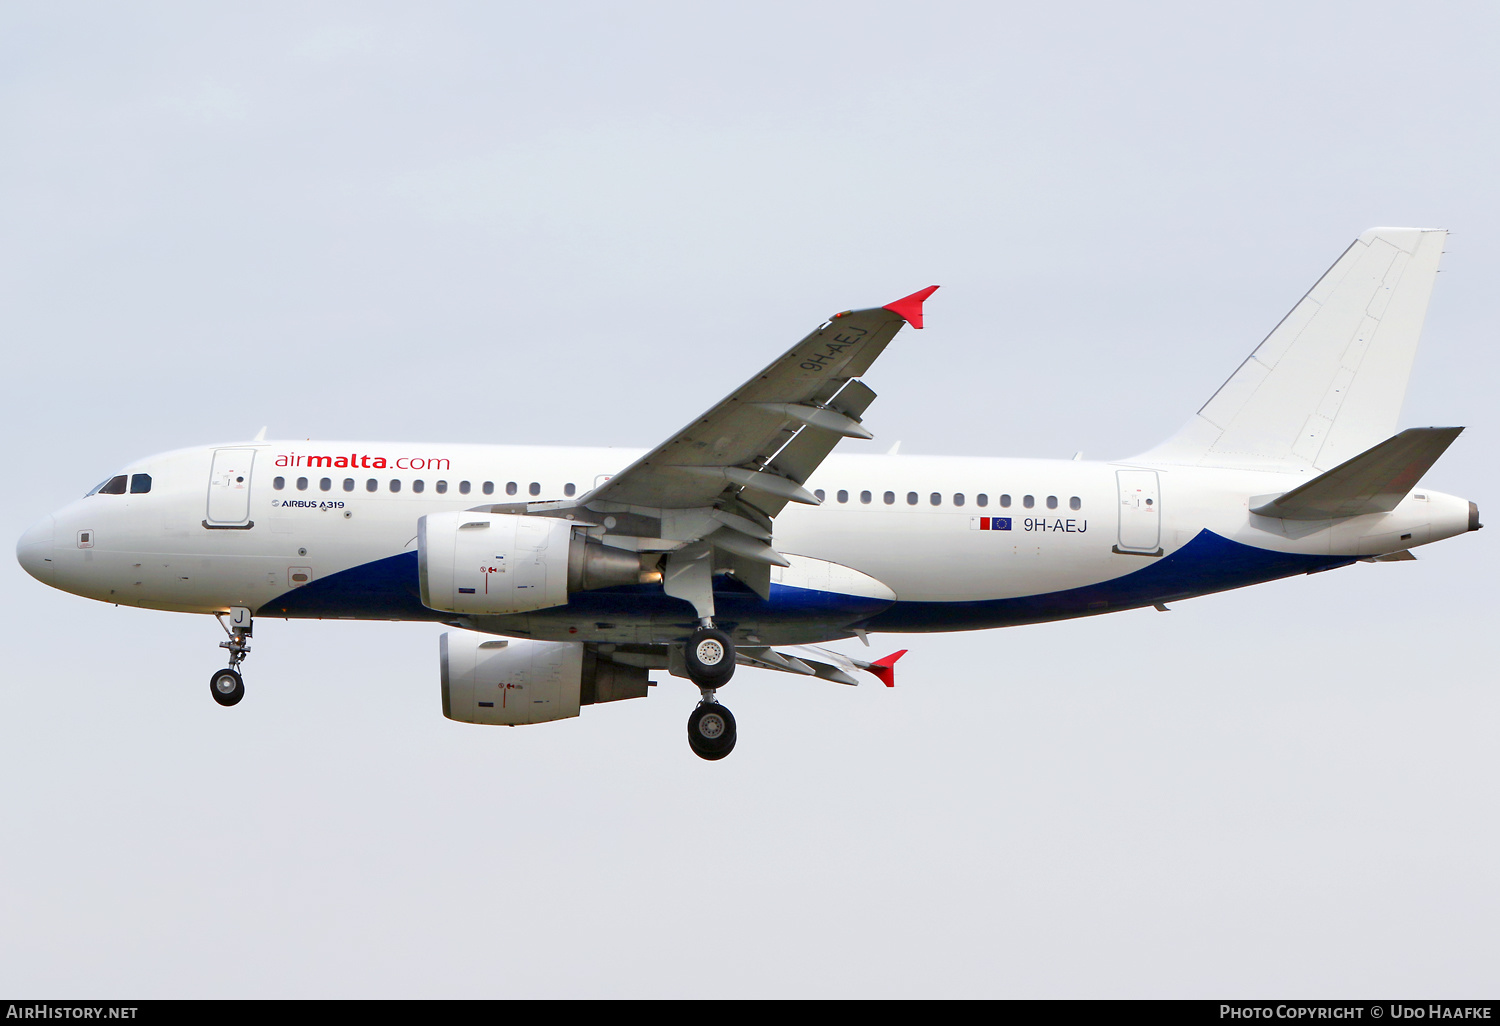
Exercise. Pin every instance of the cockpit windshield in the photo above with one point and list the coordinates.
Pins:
(139, 484)
(109, 486)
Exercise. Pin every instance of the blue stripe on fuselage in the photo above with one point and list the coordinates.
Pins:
(1207, 564)
(387, 589)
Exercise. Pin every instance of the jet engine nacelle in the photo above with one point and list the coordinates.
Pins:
(499, 563)
(510, 682)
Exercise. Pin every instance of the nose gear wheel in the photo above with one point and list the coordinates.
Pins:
(227, 687)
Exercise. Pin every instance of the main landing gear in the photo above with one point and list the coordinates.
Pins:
(708, 656)
(709, 659)
(711, 730)
(227, 686)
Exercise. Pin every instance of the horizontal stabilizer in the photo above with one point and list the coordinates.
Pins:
(1375, 481)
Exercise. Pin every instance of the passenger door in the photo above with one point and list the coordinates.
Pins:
(229, 489)
(1140, 513)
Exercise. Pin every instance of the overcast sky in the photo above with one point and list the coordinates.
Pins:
(584, 223)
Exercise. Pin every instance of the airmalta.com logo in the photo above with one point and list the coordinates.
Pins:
(363, 462)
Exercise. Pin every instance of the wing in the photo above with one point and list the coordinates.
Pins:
(723, 477)
(816, 661)
(807, 391)
(804, 660)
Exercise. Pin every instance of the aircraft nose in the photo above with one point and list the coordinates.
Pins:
(34, 550)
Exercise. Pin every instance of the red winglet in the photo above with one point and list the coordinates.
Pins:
(911, 307)
(885, 668)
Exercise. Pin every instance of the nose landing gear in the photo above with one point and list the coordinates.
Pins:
(226, 685)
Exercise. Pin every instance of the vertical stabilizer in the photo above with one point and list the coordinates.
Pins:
(1329, 380)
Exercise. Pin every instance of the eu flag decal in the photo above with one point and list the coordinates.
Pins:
(990, 523)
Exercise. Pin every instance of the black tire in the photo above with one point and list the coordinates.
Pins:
(227, 687)
(709, 655)
(711, 731)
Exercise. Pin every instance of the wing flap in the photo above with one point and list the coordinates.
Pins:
(811, 447)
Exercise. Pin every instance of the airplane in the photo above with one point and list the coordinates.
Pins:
(570, 574)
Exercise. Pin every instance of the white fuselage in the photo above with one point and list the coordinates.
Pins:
(986, 541)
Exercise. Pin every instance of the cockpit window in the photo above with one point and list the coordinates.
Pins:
(140, 484)
(113, 486)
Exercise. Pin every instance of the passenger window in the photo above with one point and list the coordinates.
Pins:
(1075, 503)
(843, 495)
(958, 498)
(865, 497)
(348, 484)
(325, 485)
(820, 494)
(371, 485)
(395, 484)
(937, 499)
(911, 498)
(1051, 502)
(140, 484)
(489, 488)
(981, 499)
(535, 489)
(278, 483)
(510, 488)
(890, 498)
(463, 488)
(418, 485)
(1005, 502)
(442, 487)
(569, 489)
(301, 484)
(1028, 501)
